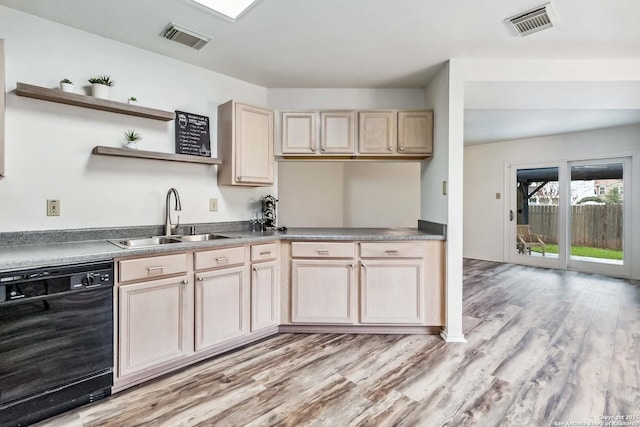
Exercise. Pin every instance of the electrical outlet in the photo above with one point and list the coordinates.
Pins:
(213, 205)
(444, 188)
(498, 196)
(53, 207)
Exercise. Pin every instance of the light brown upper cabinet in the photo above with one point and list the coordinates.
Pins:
(245, 145)
(337, 132)
(415, 132)
(332, 134)
(377, 132)
(299, 133)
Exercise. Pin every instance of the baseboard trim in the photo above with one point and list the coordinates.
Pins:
(360, 329)
(452, 338)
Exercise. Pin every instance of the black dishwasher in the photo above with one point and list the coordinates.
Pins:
(56, 340)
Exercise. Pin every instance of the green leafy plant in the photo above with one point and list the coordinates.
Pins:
(133, 98)
(66, 81)
(102, 80)
(131, 136)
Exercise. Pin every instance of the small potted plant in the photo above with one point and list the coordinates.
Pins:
(66, 85)
(132, 100)
(131, 138)
(101, 86)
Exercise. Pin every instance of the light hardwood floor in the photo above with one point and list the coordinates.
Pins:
(543, 346)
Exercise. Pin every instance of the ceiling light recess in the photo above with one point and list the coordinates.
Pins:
(231, 9)
(185, 36)
(533, 20)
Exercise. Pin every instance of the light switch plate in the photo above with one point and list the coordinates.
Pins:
(213, 205)
(53, 207)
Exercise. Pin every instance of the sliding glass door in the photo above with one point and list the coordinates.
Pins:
(536, 230)
(598, 215)
(571, 215)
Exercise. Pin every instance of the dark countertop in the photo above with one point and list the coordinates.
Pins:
(41, 255)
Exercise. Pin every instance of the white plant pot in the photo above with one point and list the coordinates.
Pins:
(67, 87)
(131, 144)
(101, 91)
(130, 101)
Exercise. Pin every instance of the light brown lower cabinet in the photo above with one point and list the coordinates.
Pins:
(322, 291)
(392, 291)
(221, 306)
(265, 295)
(155, 321)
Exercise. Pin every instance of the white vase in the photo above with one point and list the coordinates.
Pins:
(131, 144)
(101, 91)
(67, 87)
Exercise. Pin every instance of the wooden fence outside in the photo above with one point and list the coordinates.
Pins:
(596, 226)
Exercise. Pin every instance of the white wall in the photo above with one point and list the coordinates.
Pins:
(436, 170)
(348, 194)
(484, 175)
(310, 194)
(48, 145)
(381, 194)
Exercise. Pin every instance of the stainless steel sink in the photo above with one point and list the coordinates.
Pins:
(145, 241)
(202, 237)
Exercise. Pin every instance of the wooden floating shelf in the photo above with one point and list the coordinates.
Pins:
(153, 155)
(56, 95)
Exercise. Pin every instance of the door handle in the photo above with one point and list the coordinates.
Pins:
(510, 215)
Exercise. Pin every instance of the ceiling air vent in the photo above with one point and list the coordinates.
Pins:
(185, 36)
(534, 20)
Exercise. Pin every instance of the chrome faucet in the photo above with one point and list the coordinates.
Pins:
(169, 228)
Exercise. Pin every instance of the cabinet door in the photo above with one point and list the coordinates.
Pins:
(155, 319)
(222, 306)
(299, 133)
(337, 132)
(415, 132)
(254, 158)
(392, 292)
(377, 132)
(265, 295)
(322, 291)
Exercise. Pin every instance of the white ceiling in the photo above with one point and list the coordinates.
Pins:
(356, 43)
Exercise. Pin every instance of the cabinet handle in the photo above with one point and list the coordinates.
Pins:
(265, 253)
(200, 279)
(362, 265)
(150, 269)
(239, 178)
(322, 252)
(401, 148)
(390, 148)
(313, 149)
(185, 282)
(255, 268)
(222, 259)
(323, 149)
(391, 252)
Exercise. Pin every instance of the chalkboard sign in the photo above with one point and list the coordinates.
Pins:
(192, 134)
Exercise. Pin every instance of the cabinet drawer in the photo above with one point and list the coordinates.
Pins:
(392, 250)
(152, 267)
(322, 250)
(219, 258)
(263, 252)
